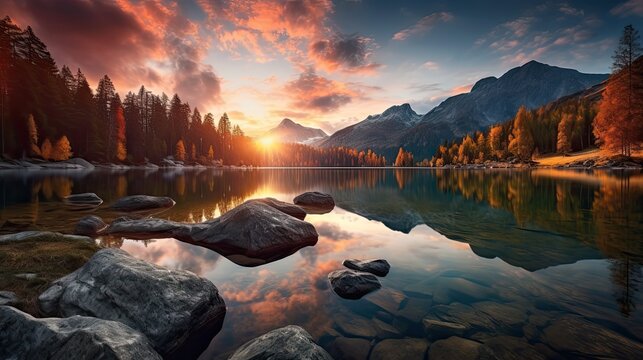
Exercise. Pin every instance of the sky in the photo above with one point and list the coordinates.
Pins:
(321, 63)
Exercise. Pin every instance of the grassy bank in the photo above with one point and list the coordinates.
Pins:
(49, 257)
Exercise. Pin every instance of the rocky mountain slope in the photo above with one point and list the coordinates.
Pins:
(291, 132)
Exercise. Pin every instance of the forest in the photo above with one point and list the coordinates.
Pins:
(53, 114)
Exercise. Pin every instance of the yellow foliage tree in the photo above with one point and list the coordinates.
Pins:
(62, 150)
(46, 149)
(179, 152)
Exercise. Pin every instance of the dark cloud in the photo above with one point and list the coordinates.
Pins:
(346, 52)
(313, 92)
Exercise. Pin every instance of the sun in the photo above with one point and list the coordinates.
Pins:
(266, 142)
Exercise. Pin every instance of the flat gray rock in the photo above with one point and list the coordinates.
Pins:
(251, 234)
(24, 337)
(284, 207)
(178, 311)
(83, 199)
(351, 284)
(286, 343)
(459, 348)
(9, 298)
(315, 202)
(142, 202)
(90, 225)
(379, 267)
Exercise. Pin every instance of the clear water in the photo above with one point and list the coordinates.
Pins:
(525, 249)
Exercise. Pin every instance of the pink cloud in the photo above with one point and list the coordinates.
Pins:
(423, 25)
(629, 7)
(316, 93)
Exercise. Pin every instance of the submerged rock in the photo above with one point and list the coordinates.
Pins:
(436, 329)
(286, 343)
(400, 349)
(459, 348)
(576, 336)
(251, 234)
(379, 267)
(24, 337)
(90, 225)
(83, 199)
(350, 348)
(315, 202)
(178, 311)
(9, 298)
(142, 202)
(351, 284)
(284, 207)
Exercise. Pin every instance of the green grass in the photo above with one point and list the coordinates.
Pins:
(49, 257)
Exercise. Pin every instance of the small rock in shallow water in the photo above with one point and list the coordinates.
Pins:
(400, 349)
(83, 199)
(436, 329)
(142, 202)
(459, 348)
(9, 298)
(351, 284)
(379, 267)
(315, 202)
(350, 348)
(178, 311)
(78, 337)
(287, 343)
(90, 225)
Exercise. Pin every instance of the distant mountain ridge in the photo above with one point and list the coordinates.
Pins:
(289, 131)
(491, 100)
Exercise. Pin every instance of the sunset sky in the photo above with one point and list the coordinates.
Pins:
(322, 63)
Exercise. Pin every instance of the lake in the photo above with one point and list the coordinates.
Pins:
(539, 262)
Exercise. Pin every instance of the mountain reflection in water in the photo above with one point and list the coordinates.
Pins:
(548, 242)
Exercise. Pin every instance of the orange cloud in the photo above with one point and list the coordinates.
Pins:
(313, 92)
(423, 25)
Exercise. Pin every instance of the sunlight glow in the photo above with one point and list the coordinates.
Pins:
(266, 142)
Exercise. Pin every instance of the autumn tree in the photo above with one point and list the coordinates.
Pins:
(116, 137)
(619, 123)
(46, 149)
(404, 158)
(33, 136)
(62, 150)
(521, 143)
(180, 153)
(564, 141)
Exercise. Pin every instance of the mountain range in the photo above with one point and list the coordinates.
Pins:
(491, 100)
(289, 131)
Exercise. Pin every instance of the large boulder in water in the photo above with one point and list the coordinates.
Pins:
(178, 311)
(24, 337)
(377, 267)
(287, 343)
(90, 225)
(142, 202)
(284, 207)
(351, 284)
(315, 202)
(251, 234)
(83, 199)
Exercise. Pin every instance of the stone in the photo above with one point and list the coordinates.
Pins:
(142, 202)
(78, 337)
(465, 315)
(459, 348)
(83, 199)
(315, 202)
(414, 309)
(284, 207)
(388, 300)
(42, 236)
(178, 311)
(377, 267)
(385, 331)
(90, 225)
(353, 325)
(513, 348)
(9, 298)
(400, 349)
(350, 348)
(450, 289)
(351, 284)
(286, 343)
(251, 234)
(510, 316)
(436, 329)
(576, 336)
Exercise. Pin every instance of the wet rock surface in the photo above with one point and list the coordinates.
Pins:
(513, 348)
(315, 202)
(251, 234)
(42, 235)
(437, 329)
(83, 199)
(399, 349)
(351, 284)
(178, 311)
(379, 267)
(9, 298)
(142, 202)
(459, 348)
(287, 343)
(350, 348)
(24, 337)
(284, 207)
(90, 225)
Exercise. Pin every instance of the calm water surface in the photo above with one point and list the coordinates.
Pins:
(507, 253)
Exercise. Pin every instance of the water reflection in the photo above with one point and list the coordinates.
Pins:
(548, 242)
